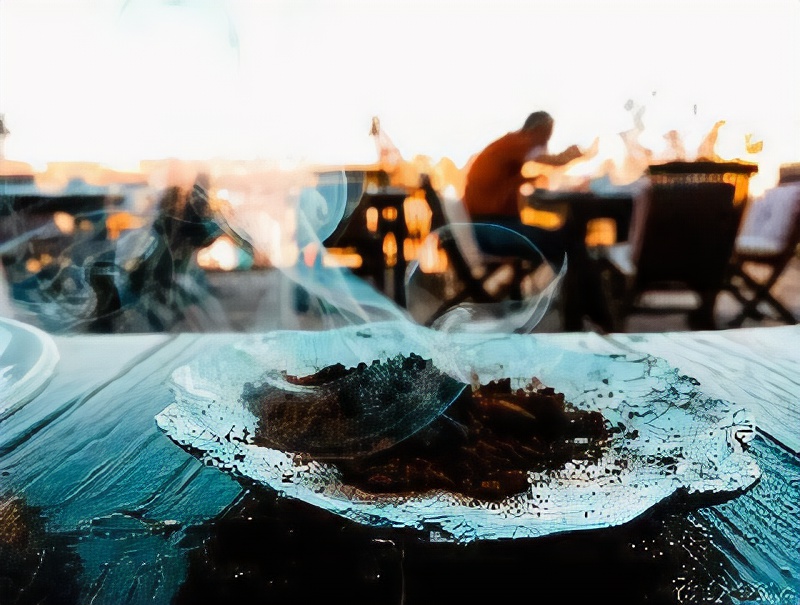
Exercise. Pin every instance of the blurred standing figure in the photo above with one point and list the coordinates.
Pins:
(389, 157)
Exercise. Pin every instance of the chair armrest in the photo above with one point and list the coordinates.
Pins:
(619, 257)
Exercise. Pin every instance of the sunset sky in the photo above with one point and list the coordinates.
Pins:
(119, 81)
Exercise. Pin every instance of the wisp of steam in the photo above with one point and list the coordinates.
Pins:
(493, 281)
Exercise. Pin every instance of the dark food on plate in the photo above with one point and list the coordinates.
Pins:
(340, 411)
(482, 446)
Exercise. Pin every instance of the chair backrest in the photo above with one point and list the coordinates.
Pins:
(705, 171)
(448, 211)
(772, 223)
(686, 235)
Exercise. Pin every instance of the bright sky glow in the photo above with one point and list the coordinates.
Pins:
(116, 81)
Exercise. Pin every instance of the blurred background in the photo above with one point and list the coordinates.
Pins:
(220, 114)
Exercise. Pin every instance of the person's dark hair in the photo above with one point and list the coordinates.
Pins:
(537, 119)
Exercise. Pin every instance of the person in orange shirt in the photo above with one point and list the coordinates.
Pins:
(495, 175)
(494, 178)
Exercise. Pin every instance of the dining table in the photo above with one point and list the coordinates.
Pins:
(581, 292)
(98, 505)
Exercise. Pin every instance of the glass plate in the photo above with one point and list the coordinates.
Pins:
(672, 437)
(28, 357)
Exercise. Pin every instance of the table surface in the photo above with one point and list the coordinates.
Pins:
(98, 506)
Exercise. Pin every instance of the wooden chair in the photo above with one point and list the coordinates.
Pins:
(768, 240)
(679, 248)
(485, 263)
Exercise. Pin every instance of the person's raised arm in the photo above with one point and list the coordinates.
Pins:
(570, 154)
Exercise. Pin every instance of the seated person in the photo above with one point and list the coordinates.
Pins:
(492, 195)
(495, 176)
